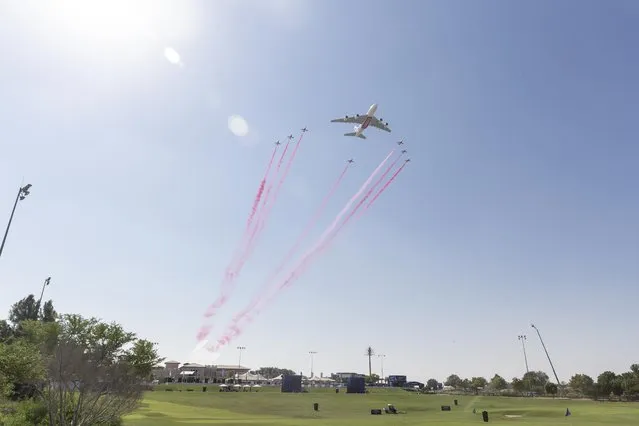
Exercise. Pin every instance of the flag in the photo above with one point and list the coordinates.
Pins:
(568, 413)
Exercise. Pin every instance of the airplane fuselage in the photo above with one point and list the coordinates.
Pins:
(367, 121)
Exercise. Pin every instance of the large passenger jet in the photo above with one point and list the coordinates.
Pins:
(363, 121)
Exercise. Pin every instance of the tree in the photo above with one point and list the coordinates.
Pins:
(369, 353)
(519, 385)
(629, 382)
(453, 380)
(477, 383)
(535, 381)
(5, 330)
(582, 383)
(21, 367)
(606, 382)
(551, 389)
(373, 378)
(498, 382)
(432, 384)
(272, 372)
(96, 372)
(28, 309)
(25, 309)
(48, 314)
(466, 384)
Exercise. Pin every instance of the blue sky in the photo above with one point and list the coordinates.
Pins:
(520, 204)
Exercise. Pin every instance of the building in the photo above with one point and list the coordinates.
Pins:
(343, 377)
(397, 381)
(224, 372)
(188, 372)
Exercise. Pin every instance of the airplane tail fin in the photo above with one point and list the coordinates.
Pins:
(361, 136)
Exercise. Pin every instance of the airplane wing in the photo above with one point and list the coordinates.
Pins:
(382, 126)
(350, 119)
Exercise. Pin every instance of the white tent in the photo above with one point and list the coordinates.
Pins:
(248, 377)
(321, 379)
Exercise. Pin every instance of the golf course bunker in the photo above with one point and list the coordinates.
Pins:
(513, 416)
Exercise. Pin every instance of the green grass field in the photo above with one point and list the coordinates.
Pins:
(270, 407)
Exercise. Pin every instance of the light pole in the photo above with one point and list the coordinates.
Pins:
(381, 357)
(548, 356)
(44, 284)
(239, 362)
(22, 194)
(311, 353)
(522, 337)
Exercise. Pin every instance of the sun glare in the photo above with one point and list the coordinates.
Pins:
(114, 19)
(238, 125)
(172, 56)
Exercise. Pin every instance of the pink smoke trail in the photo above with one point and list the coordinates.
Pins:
(305, 261)
(297, 243)
(357, 212)
(383, 188)
(236, 330)
(266, 207)
(368, 194)
(231, 272)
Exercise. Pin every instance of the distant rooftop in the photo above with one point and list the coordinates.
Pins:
(231, 367)
(171, 362)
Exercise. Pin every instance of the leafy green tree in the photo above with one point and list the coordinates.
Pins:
(373, 378)
(48, 314)
(21, 365)
(551, 389)
(582, 383)
(432, 384)
(629, 382)
(535, 381)
(272, 372)
(466, 384)
(477, 383)
(453, 380)
(519, 385)
(606, 382)
(5, 331)
(498, 382)
(102, 369)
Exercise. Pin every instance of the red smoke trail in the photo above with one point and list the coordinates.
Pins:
(386, 185)
(254, 209)
(357, 207)
(231, 271)
(298, 242)
(370, 191)
(235, 330)
(266, 207)
(305, 261)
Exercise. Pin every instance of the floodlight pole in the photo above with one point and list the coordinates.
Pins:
(548, 356)
(522, 337)
(312, 353)
(381, 357)
(239, 362)
(44, 284)
(22, 194)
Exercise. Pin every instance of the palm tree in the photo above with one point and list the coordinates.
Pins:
(369, 353)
